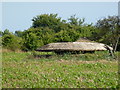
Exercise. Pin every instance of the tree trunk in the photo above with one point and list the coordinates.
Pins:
(110, 51)
(114, 49)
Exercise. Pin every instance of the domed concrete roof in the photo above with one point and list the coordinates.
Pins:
(74, 46)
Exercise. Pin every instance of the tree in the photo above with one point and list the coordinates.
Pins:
(73, 20)
(109, 31)
(48, 20)
(19, 33)
(36, 37)
(6, 31)
(86, 31)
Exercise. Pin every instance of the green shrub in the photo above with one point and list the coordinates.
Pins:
(12, 42)
(31, 42)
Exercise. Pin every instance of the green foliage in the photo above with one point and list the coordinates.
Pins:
(101, 55)
(24, 70)
(36, 37)
(66, 36)
(1, 33)
(47, 35)
(20, 72)
(0, 41)
(108, 31)
(47, 20)
(12, 42)
(19, 33)
(31, 41)
(73, 20)
(6, 31)
(49, 28)
(87, 31)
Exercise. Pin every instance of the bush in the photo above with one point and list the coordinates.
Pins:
(36, 37)
(12, 42)
(31, 42)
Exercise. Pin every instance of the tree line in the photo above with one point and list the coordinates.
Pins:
(48, 28)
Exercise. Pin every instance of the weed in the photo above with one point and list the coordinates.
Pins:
(22, 70)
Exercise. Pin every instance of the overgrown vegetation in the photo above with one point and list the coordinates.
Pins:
(48, 28)
(31, 69)
(20, 70)
(47, 56)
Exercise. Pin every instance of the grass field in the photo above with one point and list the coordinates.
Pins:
(22, 70)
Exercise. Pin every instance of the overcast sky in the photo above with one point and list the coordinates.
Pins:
(17, 16)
